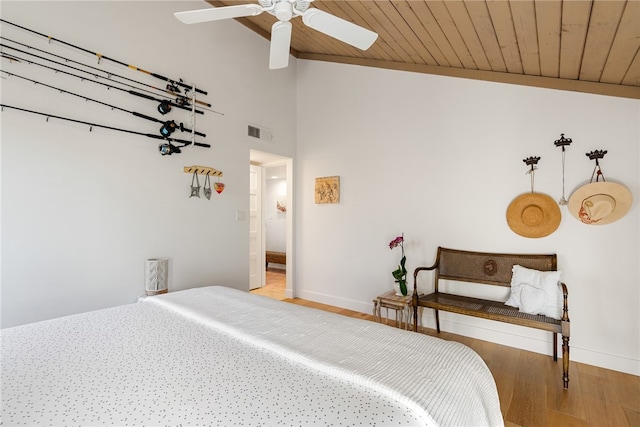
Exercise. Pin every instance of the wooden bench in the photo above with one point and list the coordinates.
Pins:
(491, 269)
(277, 257)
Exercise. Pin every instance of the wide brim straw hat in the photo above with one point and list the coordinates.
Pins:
(600, 203)
(533, 215)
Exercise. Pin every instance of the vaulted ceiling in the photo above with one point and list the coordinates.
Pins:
(577, 45)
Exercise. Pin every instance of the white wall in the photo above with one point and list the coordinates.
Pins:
(440, 159)
(82, 210)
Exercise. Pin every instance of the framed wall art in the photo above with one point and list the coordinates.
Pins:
(327, 190)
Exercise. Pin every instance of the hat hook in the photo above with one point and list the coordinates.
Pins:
(562, 142)
(531, 161)
(597, 170)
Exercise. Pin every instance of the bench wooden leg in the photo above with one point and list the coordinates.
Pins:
(437, 321)
(555, 347)
(565, 361)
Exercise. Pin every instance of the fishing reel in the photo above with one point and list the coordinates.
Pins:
(164, 107)
(173, 88)
(170, 127)
(167, 149)
(183, 101)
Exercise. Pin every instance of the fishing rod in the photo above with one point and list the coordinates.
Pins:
(164, 104)
(171, 89)
(165, 148)
(168, 127)
(164, 109)
(100, 56)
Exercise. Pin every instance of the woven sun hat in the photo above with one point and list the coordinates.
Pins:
(600, 203)
(533, 215)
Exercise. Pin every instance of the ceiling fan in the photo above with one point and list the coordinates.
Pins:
(284, 10)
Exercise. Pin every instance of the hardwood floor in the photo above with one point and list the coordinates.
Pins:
(275, 284)
(530, 384)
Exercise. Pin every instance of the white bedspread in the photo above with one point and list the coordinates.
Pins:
(218, 356)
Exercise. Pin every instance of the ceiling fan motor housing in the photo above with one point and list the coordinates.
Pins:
(283, 11)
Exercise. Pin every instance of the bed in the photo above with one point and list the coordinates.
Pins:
(219, 356)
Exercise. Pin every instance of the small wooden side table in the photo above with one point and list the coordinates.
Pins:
(399, 303)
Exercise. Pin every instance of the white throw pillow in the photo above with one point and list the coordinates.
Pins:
(545, 281)
(531, 299)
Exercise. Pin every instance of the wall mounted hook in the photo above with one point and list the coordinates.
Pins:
(202, 170)
(596, 154)
(597, 170)
(531, 161)
(562, 142)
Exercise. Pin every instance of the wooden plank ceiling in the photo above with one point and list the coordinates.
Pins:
(588, 46)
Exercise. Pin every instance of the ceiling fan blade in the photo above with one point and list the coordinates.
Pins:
(280, 44)
(338, 28)
(218, 13)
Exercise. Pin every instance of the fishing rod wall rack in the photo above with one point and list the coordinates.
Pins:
(185, 93)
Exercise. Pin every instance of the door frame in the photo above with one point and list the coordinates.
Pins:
(259, 262)
(264, 160)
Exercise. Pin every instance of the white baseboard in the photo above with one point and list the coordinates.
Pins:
(349, 304)
(536, 341)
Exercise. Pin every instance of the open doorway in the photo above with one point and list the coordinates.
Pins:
(271, 225)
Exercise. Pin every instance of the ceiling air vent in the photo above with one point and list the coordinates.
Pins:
(260, 133)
